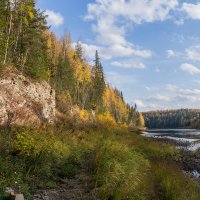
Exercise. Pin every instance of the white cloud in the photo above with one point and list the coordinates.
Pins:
(90, 50)
(186, 98)
(170, 96)
(178, 38)
(114, 51)
(128, 65)
(120, 81)
(192, 92)
(191, 69)
(132, 10)
(147, 88)
(187, 95)
(179, 22)
(192, 10)
(140, 104)
(193, 53)
(54, 18)
(172, 54)
(113, 19)
(196, 81)
(159, 97)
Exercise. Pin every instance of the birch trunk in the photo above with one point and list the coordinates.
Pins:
(8, 39)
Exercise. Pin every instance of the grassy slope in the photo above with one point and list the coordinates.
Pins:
(122, 165)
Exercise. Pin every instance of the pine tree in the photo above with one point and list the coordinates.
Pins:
(98, 82)
(79, 50)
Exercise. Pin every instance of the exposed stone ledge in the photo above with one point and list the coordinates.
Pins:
(23, 102)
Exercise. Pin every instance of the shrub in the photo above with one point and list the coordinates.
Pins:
(41, 153)
(64, 102)
(28, 143)
(84, 115)
(106, 120)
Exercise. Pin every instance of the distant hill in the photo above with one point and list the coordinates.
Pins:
(181, 118)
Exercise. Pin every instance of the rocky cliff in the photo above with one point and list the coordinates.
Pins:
(24, 102)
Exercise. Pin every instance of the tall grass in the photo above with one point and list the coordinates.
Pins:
(119, 171)
(121, 164)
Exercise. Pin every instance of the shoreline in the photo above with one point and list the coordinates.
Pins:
(188, 158)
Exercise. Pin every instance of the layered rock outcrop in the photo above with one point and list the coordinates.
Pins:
(24, 102)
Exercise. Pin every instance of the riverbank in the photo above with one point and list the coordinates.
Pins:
(117, 164)
(186, 144)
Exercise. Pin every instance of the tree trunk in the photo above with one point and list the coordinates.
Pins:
(8, 39)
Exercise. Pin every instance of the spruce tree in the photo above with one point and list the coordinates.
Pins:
(79, 50)
(98, 82)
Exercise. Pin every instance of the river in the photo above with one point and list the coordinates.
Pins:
(186, 138)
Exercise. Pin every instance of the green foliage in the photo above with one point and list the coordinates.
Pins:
(69, 168)
(28, 144)
(22, 40)
(122, 165)
(182, 118)
(31, 158)
(98, 83)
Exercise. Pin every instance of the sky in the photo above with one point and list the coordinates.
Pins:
(150, 49)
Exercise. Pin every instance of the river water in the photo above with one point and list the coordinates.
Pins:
(185, 138)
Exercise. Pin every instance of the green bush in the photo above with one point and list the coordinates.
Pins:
(32, 158)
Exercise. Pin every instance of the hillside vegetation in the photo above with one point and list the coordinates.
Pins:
(119, 164)
(27, 45)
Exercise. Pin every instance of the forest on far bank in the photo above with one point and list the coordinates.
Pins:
(180, 118)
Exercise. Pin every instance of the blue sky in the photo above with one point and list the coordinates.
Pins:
(150, 49)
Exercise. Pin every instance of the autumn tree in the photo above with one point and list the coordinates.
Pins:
(140, 120)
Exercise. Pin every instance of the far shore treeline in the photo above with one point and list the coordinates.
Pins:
(180, 118)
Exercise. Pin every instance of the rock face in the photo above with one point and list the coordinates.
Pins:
(23, 102)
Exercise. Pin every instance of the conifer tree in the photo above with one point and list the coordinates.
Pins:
(98, 82)
(79, 50)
